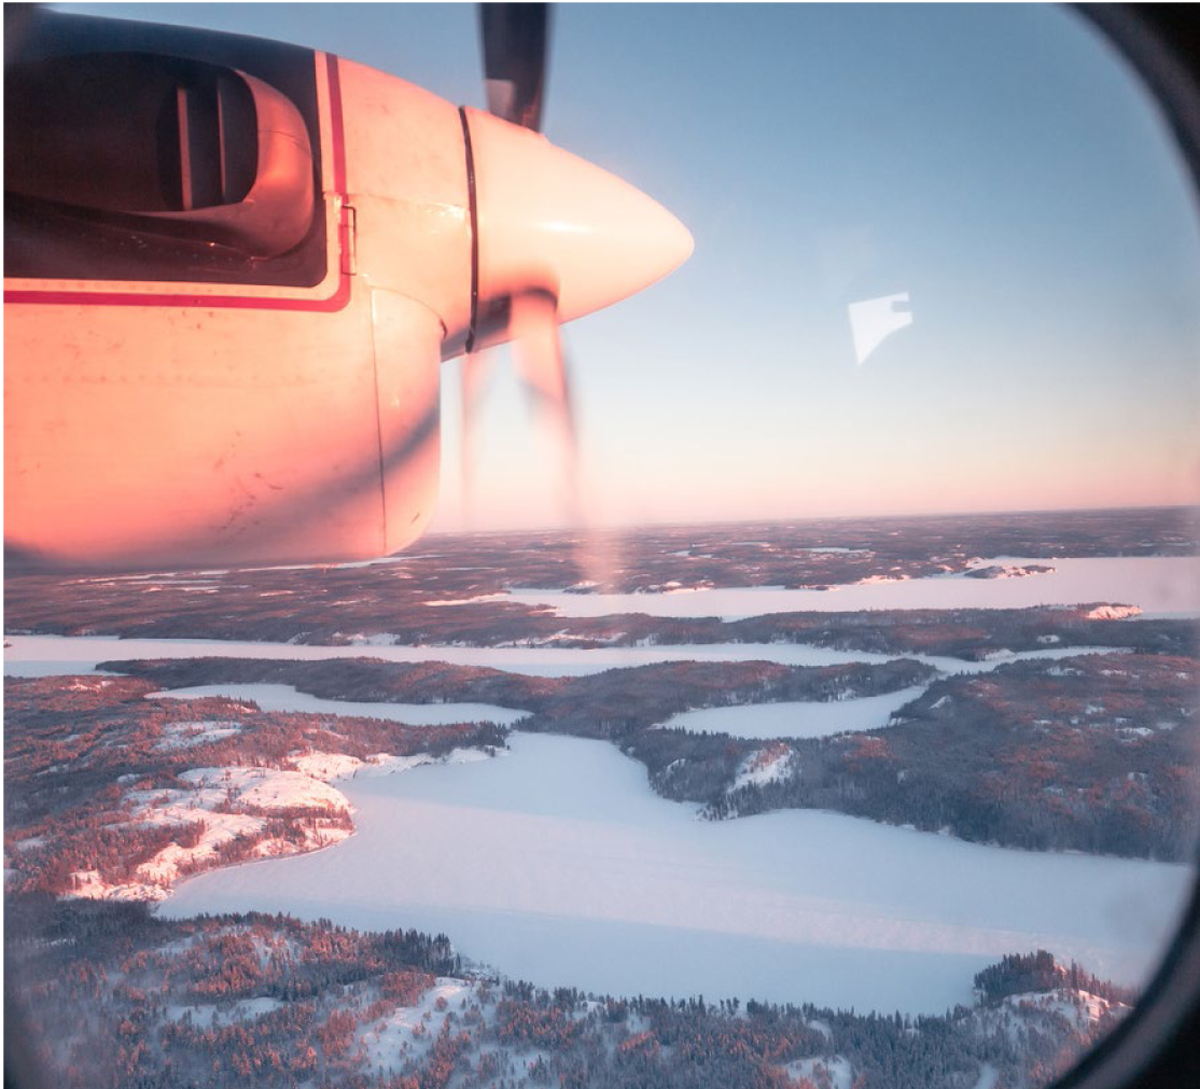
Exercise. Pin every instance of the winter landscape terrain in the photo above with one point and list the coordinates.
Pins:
(905, 802)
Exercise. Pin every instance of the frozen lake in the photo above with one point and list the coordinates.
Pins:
(796, 719)
(557, 864)
(1163, 585)
(55, 655)
(283, 697)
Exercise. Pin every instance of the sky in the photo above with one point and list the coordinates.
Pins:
(997, 165)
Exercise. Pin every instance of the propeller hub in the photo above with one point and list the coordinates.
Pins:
(549, 221)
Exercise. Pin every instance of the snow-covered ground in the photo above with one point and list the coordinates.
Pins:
(988, 1075)
(409, 1032)
(836, 1068)
(559, 865)
(770, 764)
(187, 735)
(798, 718)
(228, 803)
(1081, 1008)
(284, 697)
(1159, 584)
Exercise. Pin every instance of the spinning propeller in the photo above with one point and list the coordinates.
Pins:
(557, 236)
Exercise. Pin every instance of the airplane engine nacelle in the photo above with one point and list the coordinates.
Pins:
(219, 258)
(232, 269)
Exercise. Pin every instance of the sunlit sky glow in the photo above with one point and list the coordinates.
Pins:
(995, 163)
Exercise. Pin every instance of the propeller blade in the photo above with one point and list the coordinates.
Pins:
(533, 331)
(541, 364)
(514, 60)
(475, 367)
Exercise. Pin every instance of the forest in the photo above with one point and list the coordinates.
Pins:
(609, 704)
(125, 1000)
(335, 605)
(111, 795)
(86, 759)
(1094, 753)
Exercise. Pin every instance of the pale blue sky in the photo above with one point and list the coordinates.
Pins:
(996, 163)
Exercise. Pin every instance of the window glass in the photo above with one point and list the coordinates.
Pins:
(847, 738)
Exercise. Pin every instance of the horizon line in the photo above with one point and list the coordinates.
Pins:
(612, 527)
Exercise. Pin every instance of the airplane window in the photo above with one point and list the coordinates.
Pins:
(799, 690)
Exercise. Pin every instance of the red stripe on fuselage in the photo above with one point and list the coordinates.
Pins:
(337, 301)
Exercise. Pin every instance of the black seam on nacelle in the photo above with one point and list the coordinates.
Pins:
(466, 128)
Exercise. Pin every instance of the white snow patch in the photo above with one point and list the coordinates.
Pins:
(327, 766)
(1112, 612)
(87, 885)
(409, 1031)
(215, 791)
(837, 1068)
(823, 1027)
(186, 735)
(988, 1075)
(269, 788)
(1081, 1008)
(772, 764)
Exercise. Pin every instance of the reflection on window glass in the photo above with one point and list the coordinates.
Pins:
(839, 732)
